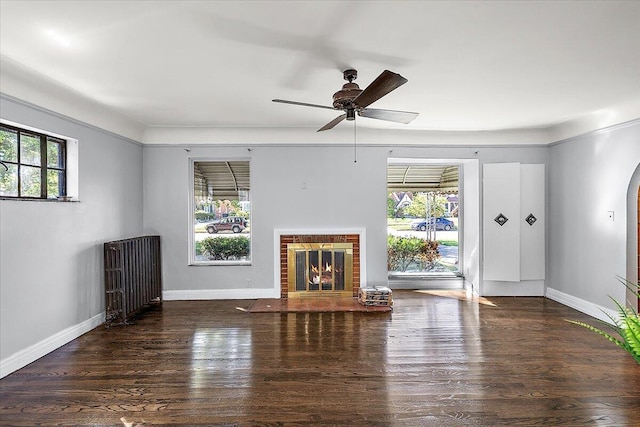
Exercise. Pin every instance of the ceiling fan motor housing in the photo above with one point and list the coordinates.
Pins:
(343, 98)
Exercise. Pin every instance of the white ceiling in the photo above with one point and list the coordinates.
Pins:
(470, 65)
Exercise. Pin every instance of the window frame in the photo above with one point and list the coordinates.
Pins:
(423, 275)
(192, 261)
(44, 167)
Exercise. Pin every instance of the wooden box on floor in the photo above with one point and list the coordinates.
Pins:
(377, 295)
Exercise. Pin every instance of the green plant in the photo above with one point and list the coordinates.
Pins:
(226, 248)
(405, 251)
(448, 242)
(626, 329)
(203, 216)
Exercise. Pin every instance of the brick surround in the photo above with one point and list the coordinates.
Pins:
(285, 239)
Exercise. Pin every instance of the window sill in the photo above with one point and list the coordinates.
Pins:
(218, 263)
(424, 275)
(425, 281)
(23, 199)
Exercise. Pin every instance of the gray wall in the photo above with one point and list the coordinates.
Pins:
(589, 176)
(51, 263)
(339, 194)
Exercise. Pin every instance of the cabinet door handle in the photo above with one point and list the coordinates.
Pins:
(531, 219)
(501, 219)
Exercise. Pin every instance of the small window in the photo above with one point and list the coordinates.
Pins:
(33, 165)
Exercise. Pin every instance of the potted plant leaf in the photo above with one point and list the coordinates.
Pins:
(626, 328)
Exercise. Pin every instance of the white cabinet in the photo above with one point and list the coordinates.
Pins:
(532, 228)
(513, 222)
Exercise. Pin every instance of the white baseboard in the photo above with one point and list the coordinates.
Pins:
(211, 294)
(524, 288)
(586, 307)
(36, 351)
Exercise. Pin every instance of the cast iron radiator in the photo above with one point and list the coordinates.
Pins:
(132, 277)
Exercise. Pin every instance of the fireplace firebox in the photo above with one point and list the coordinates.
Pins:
(319, 264)
(320, 268)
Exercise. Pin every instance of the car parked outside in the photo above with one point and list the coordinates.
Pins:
(442, 223)
(230, 223)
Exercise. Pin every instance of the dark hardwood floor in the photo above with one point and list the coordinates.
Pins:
(433, 361)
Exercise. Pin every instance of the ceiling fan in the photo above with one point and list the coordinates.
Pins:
(351, 99)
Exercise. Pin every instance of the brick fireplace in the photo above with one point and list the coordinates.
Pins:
(313, 263)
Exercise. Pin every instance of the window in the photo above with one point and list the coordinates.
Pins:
(422, 218)
(33, 165)
(221, 208)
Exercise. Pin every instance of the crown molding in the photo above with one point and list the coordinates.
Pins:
(203, 136)
(605, 118)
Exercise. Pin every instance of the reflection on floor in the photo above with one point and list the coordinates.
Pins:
(346, 304)
(312, 304)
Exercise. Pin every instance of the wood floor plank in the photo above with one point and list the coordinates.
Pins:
(433, 361)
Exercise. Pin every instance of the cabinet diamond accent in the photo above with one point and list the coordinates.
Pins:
(531, 219)
(501, 220)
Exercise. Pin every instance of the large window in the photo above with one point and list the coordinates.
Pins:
(33, 165)
(221, 212)
(422, 218)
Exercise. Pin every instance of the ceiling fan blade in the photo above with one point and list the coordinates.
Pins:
(388, 115)
(333, 122)
(304, 104)
(382, 85)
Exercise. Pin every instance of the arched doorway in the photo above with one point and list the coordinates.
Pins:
(633, 236)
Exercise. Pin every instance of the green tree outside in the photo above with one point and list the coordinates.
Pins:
(418, 207)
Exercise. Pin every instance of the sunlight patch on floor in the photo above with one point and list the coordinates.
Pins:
(460, 295)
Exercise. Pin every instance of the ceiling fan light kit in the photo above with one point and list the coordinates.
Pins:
(351, 99)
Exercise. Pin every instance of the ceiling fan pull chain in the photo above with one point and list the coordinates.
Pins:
(355, 147)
